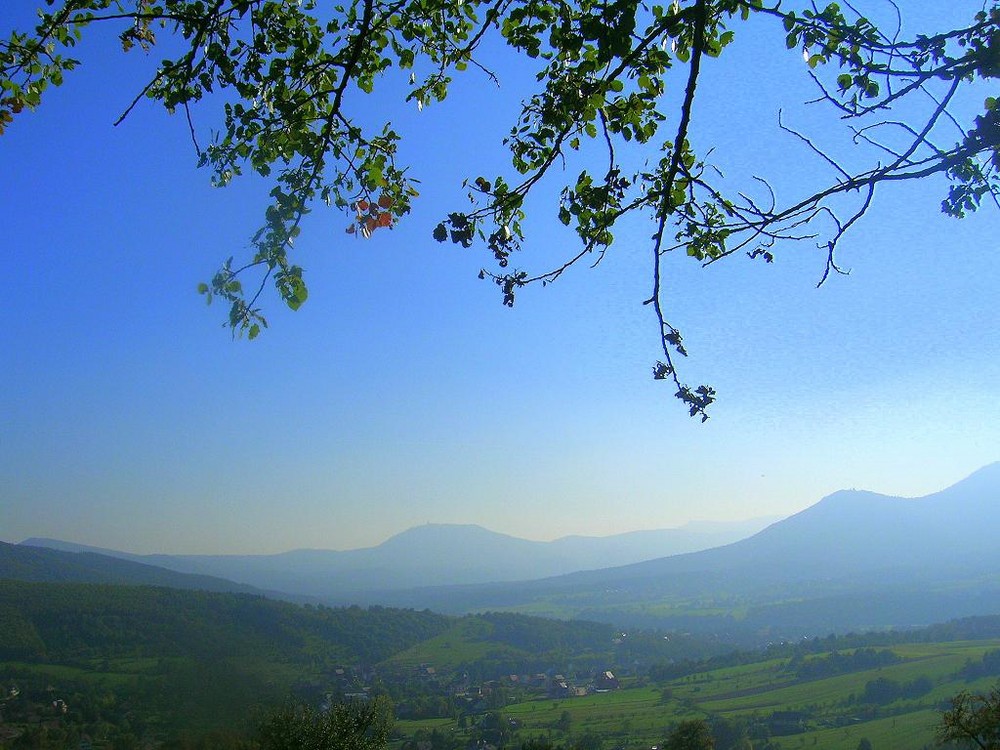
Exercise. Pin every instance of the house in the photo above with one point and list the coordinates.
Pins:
(606, 680)
(787, 722)
(559, 689)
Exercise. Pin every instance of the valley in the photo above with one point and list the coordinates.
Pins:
(137, 667)
(857, 619)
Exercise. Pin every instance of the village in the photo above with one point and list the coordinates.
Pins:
(423, 691)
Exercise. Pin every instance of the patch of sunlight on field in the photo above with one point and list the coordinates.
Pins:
(466, 641)
(910, 732)
(409, 726)
(937, 663)
(636, 715)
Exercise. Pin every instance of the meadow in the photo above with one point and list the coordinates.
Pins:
(781, 709)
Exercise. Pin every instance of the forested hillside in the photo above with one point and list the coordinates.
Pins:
(125, 665)
(27, 563)
(71, 621)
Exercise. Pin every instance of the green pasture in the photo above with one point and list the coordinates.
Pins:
(636, 714)
(641, 716)
(565, 606)
(409, 726)
(964, 649)
(464, 642)
(748, 690)
(54, 671)
(107, 672)
(910, 731)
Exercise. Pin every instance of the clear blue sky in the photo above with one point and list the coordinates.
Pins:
(404, 392)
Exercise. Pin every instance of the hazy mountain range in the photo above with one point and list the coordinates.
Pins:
(434, 555)
(855, 559)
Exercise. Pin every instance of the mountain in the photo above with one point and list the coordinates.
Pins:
(854, 533)
(435, 554)
(855, 559)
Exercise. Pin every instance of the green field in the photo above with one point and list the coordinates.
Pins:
(464, 642)
(640, 715)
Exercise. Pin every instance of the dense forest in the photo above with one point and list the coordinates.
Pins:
(68, 621)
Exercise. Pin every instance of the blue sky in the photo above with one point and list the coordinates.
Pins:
(404, 392)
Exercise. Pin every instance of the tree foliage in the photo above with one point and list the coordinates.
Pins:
(840, 663)
(617, 83)
(988, 666)
(70, 621)
(346, 726)
(973, 720)
(692, 734)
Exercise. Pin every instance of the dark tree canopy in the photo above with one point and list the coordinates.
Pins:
(345, 726)
(693, 734)
(292, 71)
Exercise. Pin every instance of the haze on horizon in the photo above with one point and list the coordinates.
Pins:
(404, 393)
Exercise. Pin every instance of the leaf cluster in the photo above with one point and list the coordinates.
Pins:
(972, 720)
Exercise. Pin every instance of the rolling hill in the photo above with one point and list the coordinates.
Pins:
(40, 565)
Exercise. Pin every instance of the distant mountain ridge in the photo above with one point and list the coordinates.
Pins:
(433, 554)
(851, 532)
(855, 559)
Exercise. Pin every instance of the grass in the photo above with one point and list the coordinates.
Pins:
(908, 732)
(637, 714)
(640, 716)
(464, 642)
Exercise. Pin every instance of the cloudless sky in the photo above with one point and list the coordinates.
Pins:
(403, 392)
